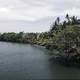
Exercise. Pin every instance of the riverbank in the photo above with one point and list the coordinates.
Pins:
(21, 62)
(56, 56)
(63, 37)
(60, 57)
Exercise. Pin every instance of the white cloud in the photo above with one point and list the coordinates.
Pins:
(34, 10)
(4, 9)
(24, 10)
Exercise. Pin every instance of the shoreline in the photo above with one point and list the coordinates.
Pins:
(55, 58)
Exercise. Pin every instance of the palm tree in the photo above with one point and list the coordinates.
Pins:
(64, 25)
(67, 17)
(74, 19)
(58, 20)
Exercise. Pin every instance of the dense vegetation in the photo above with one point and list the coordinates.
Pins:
(62, 36)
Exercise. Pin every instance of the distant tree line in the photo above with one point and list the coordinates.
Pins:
(41, 38)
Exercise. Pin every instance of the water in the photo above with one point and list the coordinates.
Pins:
(27, 62)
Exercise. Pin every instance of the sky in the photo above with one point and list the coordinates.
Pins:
(34, 15)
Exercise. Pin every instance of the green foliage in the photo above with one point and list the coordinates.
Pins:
(64, 34)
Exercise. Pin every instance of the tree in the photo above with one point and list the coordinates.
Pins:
(58, 20)
(74, 19)
(67, 17)
(64, 25)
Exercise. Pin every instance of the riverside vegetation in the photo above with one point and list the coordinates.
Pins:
(63, 36)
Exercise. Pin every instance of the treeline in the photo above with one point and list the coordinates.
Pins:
(18, 37)
(69, 20)
(66, 38)
(41, 38)
(62, 36)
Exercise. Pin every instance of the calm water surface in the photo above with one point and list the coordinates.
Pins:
(27, 62)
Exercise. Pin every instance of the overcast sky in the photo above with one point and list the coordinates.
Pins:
(34, 15)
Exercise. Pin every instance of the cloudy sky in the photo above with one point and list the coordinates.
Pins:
(34, 15)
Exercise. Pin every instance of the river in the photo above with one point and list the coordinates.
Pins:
(28, 62)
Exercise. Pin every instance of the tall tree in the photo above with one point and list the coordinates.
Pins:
(64, 25)
(58, 20)
(74, 19)
(67, 17)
